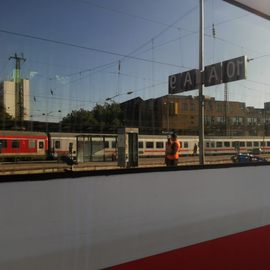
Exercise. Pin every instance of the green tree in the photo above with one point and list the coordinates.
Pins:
(80, 117)
(107, 114)
(3, 113)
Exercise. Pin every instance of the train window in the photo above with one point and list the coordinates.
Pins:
(15, 144)
(41, 145)
(185, 144)
(256, 143)
(242, 144)
(57, 144)
(249, 144)
(32, 144)
(159, 145)
(268, 143)
(219, 144)
(262, 143)
(207, 144)
(106, 144)
(4, 143)
(212, 144)
(227, 144)
(113, 144)
(140, 144)
(149, 145)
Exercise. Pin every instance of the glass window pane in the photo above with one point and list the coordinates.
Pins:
(159, 145)
(41, 145)
(15, 144)
(57, 144)
(32, 144)
(113, 144)
(4, 143)
(227, 144)
(219, 144)
(149, 145)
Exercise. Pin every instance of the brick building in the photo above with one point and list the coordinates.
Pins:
(181, 114)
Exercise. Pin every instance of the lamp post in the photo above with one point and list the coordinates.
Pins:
(168, 106)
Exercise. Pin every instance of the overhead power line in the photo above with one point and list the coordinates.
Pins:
(85, 48)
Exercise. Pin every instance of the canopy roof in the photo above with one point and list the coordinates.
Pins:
(258, 7)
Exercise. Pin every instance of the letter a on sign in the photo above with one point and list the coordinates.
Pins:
(189, 80)
(213, 74)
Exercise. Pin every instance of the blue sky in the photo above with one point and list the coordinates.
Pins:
(73, 49)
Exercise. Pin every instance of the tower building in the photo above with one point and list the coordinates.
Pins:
(7, 96)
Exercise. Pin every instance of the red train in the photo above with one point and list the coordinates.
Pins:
(20, 145)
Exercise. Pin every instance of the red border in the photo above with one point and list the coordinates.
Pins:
(246, 250)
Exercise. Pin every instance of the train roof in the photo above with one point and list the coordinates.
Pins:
(63, 134)
(22, 133)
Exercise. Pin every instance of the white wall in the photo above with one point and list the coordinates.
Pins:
(9, 97)
(26, 99)
(99, 221)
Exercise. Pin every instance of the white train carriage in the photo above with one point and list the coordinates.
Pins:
(61, 144)
(154, 146)
(230, 145)
(102, 147)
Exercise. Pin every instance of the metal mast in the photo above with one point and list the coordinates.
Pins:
(19, 109)
(201, 85)
(226, 98)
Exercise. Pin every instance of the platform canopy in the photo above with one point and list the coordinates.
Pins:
(258, 7)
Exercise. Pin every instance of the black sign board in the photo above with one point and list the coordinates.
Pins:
(182, 82)
(223, 72)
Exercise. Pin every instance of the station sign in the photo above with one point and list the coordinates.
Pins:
(222, 72)
(183, 82)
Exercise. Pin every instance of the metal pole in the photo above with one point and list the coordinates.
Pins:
(201, 86)
(168, 117)
(264, 133)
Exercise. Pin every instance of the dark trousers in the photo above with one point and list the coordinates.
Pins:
(172, 162)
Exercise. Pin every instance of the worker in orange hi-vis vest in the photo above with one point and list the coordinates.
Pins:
(172, 153)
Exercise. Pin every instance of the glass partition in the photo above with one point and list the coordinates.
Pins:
(78, 67)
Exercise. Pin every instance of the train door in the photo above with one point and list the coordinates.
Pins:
(40, 147)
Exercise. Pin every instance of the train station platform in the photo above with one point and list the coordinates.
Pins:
(22, 168)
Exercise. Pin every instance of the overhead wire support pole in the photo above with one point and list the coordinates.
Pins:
(19, 108)
(201, 85)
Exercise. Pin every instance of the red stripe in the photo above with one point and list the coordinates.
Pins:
(154, 151)
(246, 250)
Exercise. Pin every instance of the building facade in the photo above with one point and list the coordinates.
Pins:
(180, 114)
(7, 96)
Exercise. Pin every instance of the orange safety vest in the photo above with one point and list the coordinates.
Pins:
(176, 156)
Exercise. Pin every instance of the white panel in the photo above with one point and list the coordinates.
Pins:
(99, 221)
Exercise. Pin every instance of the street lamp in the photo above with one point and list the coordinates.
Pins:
(168, 106)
